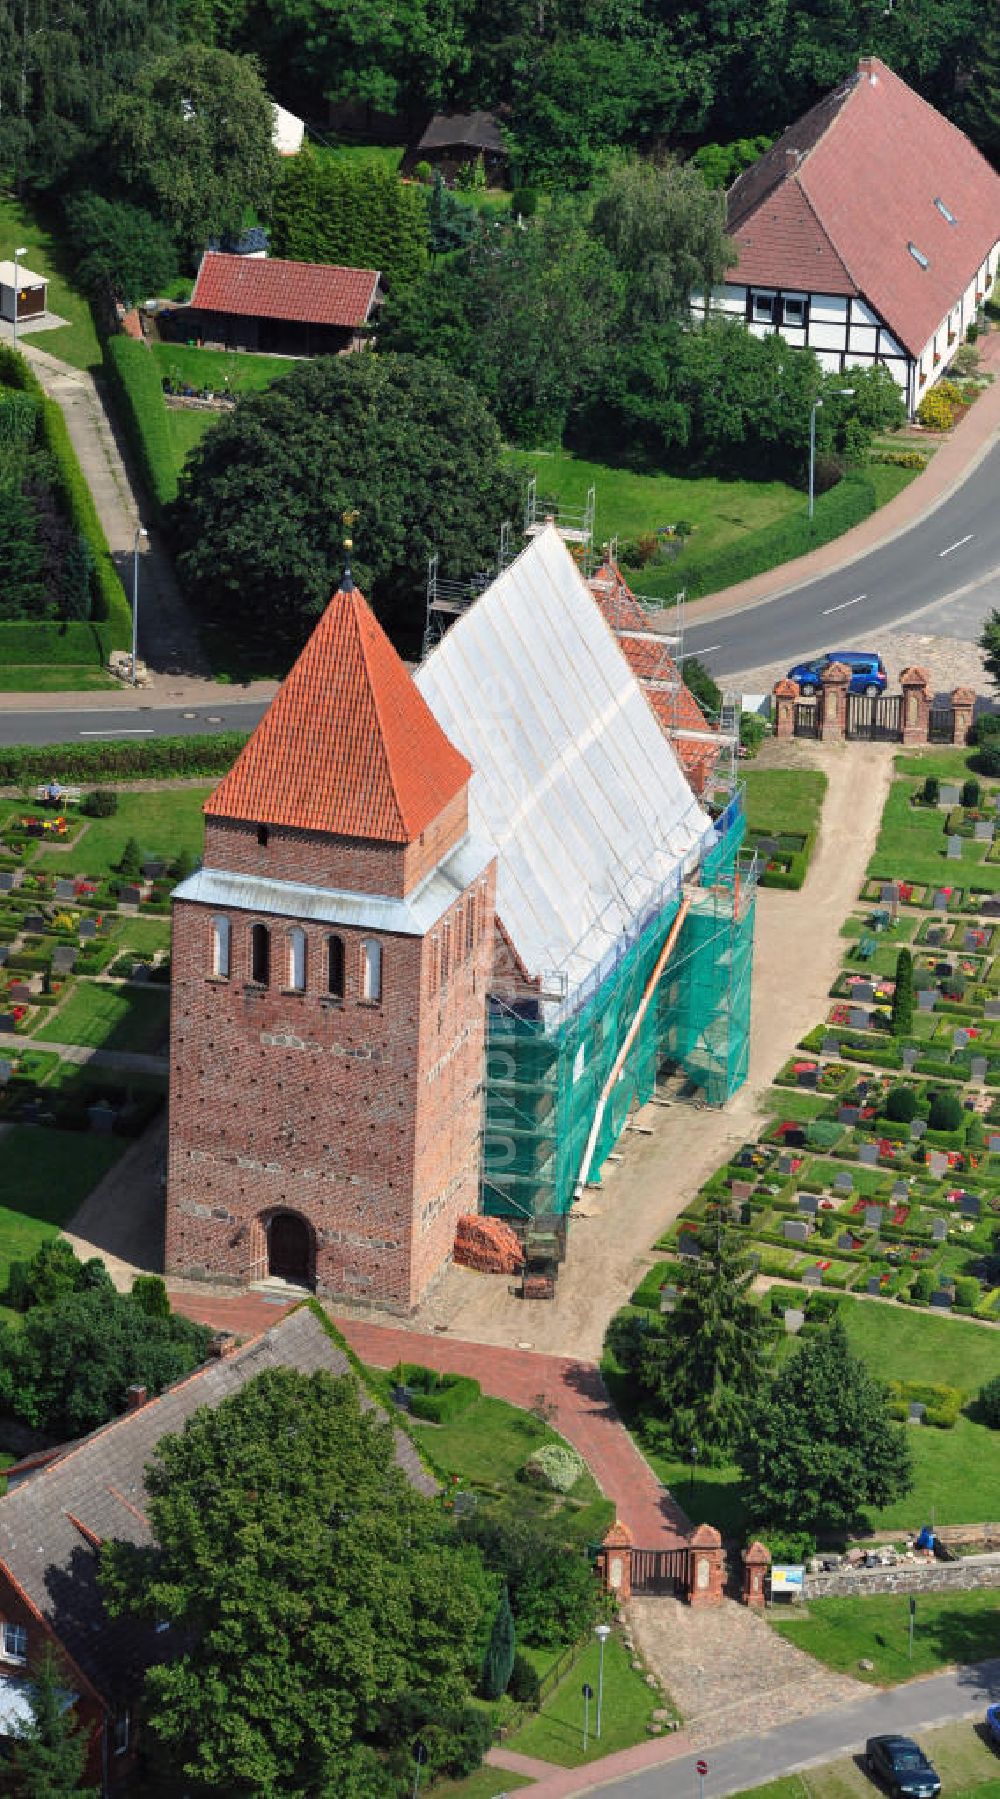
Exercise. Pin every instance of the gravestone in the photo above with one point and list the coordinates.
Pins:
(844, 1183)
(845, 1240)
(848, 1114)
(101, 1118)
(949, 795)
(873, 1217)
(935, 934)
(19, 993)
(978, 1070)
(937, 1162)
(941, 1300)
(65, 890)
(970, 940)
(984, 831)
(864, 991)
(939, 1229)
(926, 1000)
(87, 928)
(909, 1055)
(809, 1203)
(786, 1164)
(994, 1144)
(831, 1045)
(992, 1008)
(874, 1285)
(794, 1320)
(795, 1138)
(31, 1110)
(940, 901)
(900, 1191)
(689, 1248)
(465, 1504)
(6, 1070)
(954, 849)
(63, 958)
(140, 971)
(668, 1298)
(868, 1154)
(808, 1077)
(7, 1021)
(34, 922)
(960, 1038)
(6, 880)
(153, 870)
(4, 953)
(130, 896)
(917, 1410)
(741, 1189)
(812, 1278)
(857, 1019)
(795, 1230)
(918, 1128)
(970, 1205)
(889, 893)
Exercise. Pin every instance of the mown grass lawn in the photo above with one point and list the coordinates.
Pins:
(75, 342)
(912, 845)
(37, 677)
(164, 823)
(783, 799)
(949, 1628)
(46, 1176)
(555, 1734)
(485, 1783)
(948, 765)
(630, 504)
(966, 1762)
(222, 371)
(100, 1017)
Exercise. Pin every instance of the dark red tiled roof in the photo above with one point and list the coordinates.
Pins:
(871, 161)
(348, 745)
(309, 293)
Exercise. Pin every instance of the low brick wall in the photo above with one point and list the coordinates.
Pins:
(936, 1577)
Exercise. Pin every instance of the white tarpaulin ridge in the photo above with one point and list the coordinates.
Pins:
(574, 783)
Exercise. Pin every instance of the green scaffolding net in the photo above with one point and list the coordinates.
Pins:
(547, 1080)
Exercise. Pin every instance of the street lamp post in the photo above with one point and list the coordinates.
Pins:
(812, 445)
(693, 1453)
(602, 1633)
(140, 531)
(18, 253)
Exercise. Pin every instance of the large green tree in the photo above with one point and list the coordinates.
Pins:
(359, 214)
(320, 1607)
(989, 643)
(403, 441)
(819, 1447)
(981, 111)
(665, 227)
(192, 137)
(124, 252)
(48, 1753)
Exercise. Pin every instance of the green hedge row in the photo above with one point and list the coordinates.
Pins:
(436, 1397)
(111, 627)
(164, 756)
(134, 378)
(836, 512)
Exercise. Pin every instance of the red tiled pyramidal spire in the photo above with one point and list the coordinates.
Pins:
(348, 745)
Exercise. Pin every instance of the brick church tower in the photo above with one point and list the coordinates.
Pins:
(330, 968)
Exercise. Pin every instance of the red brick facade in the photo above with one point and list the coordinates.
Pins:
(90, 1711)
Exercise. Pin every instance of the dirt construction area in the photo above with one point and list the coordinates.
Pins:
(795, 957)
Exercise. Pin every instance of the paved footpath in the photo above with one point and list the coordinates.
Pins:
(665, 1767)
(578, 1402)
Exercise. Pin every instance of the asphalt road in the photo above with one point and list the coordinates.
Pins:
(956, 545)
(117, 723)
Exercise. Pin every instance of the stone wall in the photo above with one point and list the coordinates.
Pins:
(907, 1577)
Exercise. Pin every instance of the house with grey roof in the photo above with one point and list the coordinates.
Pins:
(62, 1506)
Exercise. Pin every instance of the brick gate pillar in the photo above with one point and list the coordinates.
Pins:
(785, 694)
(964, 701)
(706, 1568)
(833, 702)
(915, 683)
(756, 1562)
(614, 1561)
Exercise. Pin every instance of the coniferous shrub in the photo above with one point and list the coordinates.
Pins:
(971, 793)
(499, 1662)
(902, 999)
(946, 1111)
(901, 1104)
(932, 790)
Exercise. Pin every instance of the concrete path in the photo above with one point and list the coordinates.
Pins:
(573, 1393)
(167, 638)
(665, 1768)
(126, 1060)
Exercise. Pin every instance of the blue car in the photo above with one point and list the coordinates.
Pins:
(868, 673)
(993, 1723)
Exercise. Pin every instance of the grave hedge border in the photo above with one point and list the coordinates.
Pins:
(72, 640)
(163, 757)
(448, 1398)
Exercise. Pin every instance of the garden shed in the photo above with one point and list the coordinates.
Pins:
(452, 140)
(31, 290)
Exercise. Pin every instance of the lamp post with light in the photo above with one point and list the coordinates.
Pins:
(602, 1633)
(18, 253)
(140, 531)
(812, 444)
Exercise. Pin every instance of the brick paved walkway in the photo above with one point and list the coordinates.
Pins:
(581, 1409)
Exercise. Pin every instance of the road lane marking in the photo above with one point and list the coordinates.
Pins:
(147, 732)
(957, 546)
(707, 651)
(844, 605)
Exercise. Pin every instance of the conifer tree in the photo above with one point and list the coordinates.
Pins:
(982, 103)
(49, 1752)
(902, 999)
(499, 1661)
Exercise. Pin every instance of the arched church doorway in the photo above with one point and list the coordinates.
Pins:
(290, 1255)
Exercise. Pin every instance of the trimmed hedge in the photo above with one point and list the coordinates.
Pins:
(164, 756)
(791, 878)
(436, 1397)
(844, 506)
(134, 377)
(943, 1403)
(111, 626)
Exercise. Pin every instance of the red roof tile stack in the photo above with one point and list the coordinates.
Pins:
(348, 745)
(488, 1245)
(833, 206)
(308, 293)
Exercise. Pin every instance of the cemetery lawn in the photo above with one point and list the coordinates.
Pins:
(165, 823)
(46, 1176)
(104, 1017)
(950, 1628)
(783, 799)
(555, 1733)
(966, 1763)
(912, 846)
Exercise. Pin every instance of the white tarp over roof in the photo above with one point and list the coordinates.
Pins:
(575, 783)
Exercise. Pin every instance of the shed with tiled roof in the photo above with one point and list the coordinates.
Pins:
(273, 304)
(869, 233)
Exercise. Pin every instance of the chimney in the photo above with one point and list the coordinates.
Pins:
(866, 66)
(224, 1343)
(135, 1397)
(792, 160)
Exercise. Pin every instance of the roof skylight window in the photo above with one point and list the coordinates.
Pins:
(918, 256)
(945, 211)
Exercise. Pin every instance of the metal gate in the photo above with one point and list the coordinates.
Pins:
(660, 1570)
(941, 724)
(877, 718)
(806, 718)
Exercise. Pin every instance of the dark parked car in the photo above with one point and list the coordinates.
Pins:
(867, 671)
(902, 1766)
